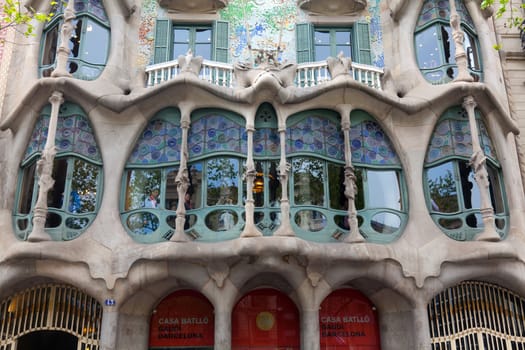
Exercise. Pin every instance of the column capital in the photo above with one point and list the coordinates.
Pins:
(469, 103)
(56, 98)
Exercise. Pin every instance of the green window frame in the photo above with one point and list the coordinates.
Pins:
(207, 40)
(77, 171)
(435, 48)
(452, 193)
(317, 43)
(89, 44)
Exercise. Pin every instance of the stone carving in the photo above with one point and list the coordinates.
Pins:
(190, 64)
(350, 194)
(332, 7)
(339, 65)
(459, 37)
(218, 271)
(266, 64)
(64, 50)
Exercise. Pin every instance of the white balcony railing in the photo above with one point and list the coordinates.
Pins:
(221, 74)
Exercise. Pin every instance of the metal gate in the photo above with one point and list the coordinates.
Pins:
(51, 308)
(477, 315)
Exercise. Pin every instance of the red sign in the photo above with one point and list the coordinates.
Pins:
(348, 320)
(265, 319)
(182, 319)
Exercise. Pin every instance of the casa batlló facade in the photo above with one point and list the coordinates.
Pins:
(250, 174)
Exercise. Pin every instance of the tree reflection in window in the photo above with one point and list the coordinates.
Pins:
(434, 43)
(74, 198)
(453, 194)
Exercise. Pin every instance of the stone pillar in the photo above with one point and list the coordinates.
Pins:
(421, 326)
(182, 180)
(44, 170)
(310, 337)
(477, 163)
(223, 331)
(249, 228)
(63, 50)
(284, 169)
(108, 328)
(458, 35)
(350, 185)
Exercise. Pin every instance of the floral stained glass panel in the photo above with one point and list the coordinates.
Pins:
(370, 145)
(160, 142)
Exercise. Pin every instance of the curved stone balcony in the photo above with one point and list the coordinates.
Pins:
(222, 74)
(332, 7)
(193, 6)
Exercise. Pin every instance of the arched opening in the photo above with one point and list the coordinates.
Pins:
(265, 319)
(48, 340)
(182, 320)
(348, 320)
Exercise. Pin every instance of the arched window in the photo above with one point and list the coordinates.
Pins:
(267, 187)
(150, 200)
(434, 44)
(217, 147)
(50, 314)
(453, 195)
(89, 43)
(477, 315)
(77, 170)
(381, 200)
(319, 207)
(265, 319)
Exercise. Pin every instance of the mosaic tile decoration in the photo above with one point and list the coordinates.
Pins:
(440, 9)
(216, 133)
(266, 142)
(370, 145)
(315, 134)
(453, 138)
(160, 142)
(74, 134)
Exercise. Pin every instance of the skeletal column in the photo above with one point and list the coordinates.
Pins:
(249, 229)
(284, 173)
(459, 38)
(63, 50)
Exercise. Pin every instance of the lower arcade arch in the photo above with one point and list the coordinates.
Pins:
(50, 316)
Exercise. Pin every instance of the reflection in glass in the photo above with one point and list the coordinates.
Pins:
(336, 179)
(427, 49)
(83, 195)
(77, 223)
(55, 196)
(50, 46)
(383, 189)
(95, 43)
(495, 187)
(442, 188)
(308, 180)
(139, 186)
(142, 223)
(450, 224)
(53, 220)
(386, 223)
(221, 220)
(27, 189)
(171, 197)
(310, 220)
(266, 178)
(223, 181)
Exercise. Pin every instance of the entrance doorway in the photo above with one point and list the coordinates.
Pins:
(47, 340)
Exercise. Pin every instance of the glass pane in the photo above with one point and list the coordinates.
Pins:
(53, 220)
(336, 186)
(322, 52)
(77, 223)
(142, 189)
(195, 189)
(360, 196)
(181, 35)
(50, 46)
(95, 43)
(385, 223)
(180, 49)
(74, 41)
(221, 220)
(346, 50)
(342, 221)
(83, 196)
(310, 220)
(55, 197)
(171, 197)
(142, 223)
(383, 189)
(442, 188)
(343, 38)
(203, 36)
(258, 185)
(449, 47)
(223, 181)
(308, 181)
(322, 37)
(427, 49)
(496, 194)
(27, 189)
(469, 186)
(203, 50)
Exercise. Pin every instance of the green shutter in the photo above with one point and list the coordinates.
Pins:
(220, 41)
(304, 43)
(363, 52)
(162, 41)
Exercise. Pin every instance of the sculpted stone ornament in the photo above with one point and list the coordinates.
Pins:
(182, 180)
(250, 230)
(332, 7)
(64, 50)
(350, 194)
(193, 6)
(458, 35)
(339, 65)
(190, 64)
(285, 229)
(266, 64)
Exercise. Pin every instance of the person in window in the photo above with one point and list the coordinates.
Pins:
(151, 200)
